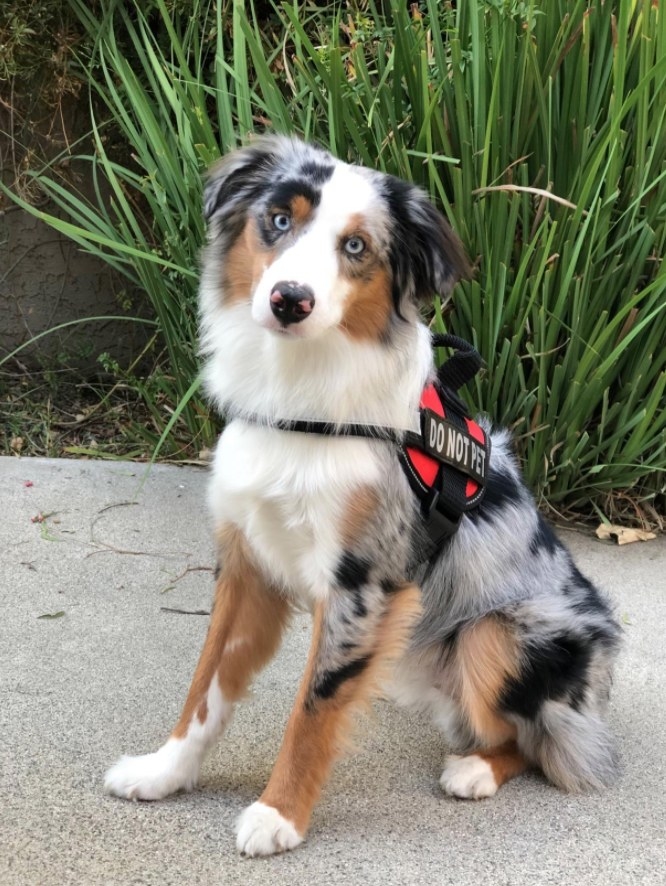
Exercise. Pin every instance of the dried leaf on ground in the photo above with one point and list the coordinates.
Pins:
(624, 535)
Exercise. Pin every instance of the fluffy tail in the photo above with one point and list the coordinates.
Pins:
(574, 749)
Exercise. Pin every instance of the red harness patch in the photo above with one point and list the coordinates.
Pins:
(447, 464)
(427, 466)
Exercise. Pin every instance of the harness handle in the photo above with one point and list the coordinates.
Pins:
(461, 366)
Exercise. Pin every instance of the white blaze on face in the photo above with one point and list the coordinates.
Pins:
(314, 259)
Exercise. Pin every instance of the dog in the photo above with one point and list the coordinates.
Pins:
(313, 278)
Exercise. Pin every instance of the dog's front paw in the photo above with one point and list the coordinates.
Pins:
(152, 776)
(263, 831)
(470, 778)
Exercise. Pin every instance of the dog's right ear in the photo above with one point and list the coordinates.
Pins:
(236, 180)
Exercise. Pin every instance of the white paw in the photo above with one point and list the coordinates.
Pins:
(153, 776)
(263, 831)
(470, 778)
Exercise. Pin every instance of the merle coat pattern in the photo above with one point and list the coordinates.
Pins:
(312, 280)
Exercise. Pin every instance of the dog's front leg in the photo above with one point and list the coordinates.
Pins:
(354, 636)
(245, 629)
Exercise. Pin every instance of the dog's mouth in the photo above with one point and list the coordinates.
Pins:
(283, 330)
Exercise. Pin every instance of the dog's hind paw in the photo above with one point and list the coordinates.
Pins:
(263, 831)
(470, 778)
(152, 776)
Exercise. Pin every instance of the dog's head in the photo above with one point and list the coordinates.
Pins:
(315, 244)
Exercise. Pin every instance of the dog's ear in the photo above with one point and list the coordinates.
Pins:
(427, 258)
(235, 181)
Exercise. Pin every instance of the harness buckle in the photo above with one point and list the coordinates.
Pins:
(440, 526)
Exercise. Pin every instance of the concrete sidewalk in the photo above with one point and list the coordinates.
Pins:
(109, 673)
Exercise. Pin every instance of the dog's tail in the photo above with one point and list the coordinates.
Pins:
(575, 749)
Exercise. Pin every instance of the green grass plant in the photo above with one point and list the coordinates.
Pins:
(539, 128)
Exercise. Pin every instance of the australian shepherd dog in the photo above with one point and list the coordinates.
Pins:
(312, 281)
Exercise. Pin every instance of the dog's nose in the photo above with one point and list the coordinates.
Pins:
(291, 302)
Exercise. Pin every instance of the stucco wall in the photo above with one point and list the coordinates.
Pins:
(46, 280)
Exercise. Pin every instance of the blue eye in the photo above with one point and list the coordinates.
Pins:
(354, 246)
(281, 222)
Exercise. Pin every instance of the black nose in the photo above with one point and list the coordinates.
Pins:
(291, 302)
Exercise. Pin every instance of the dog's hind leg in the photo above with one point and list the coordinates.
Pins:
(480, 774)
(545, 695)
(245, 629)
(485, 655)
(354, 638)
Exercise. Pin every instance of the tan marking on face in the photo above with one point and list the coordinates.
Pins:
(315, 737)
(506, 761)
(361, 506)
(301, 209)
(368, 303)
(486, 656)
(246, 624)
(368, 306)
(244, 264)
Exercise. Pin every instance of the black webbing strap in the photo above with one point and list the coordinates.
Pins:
(461, 366)
(447, 499)
(326, 429)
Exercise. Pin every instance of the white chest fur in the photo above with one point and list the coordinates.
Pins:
(288, 493)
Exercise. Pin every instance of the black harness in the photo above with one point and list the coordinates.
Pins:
(447, 464)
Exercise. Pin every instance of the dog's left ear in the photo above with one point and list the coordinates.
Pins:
(235, 181)
(427, 258)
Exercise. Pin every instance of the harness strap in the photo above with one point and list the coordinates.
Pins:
(328, 429)
(461, 366)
